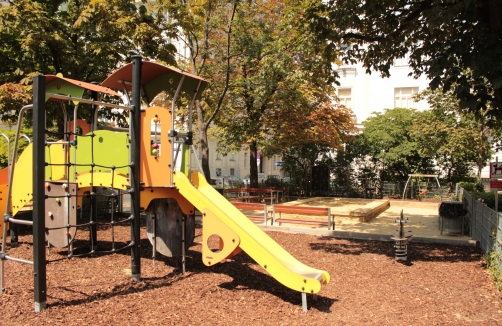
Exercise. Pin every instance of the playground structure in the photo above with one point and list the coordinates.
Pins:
(140, 161)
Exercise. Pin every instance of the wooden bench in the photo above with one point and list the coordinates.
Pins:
(303, 210)
(253, 207)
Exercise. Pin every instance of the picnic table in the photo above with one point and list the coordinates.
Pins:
(261, 194)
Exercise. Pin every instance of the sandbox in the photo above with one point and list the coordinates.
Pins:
(357, 208)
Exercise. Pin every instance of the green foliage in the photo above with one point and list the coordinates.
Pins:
(387, 141)
(206, 28)
(271, 77)
(457, 140)
(3, 144)
(83, 40)
(286, 86)
(492, 262)
(443, 140)
(457, 44)
(488, 198)
(476, 186)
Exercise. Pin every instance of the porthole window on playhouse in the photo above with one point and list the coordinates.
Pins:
(155, 141)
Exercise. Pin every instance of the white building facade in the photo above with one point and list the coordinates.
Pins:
(367, 93)
(235, 164)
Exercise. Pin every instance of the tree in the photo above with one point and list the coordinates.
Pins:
(297, 161)
(456, 141)
(457, 44)
(207, 30)
(23, 143)
(281, 94)
(387, 140)
(83, 40)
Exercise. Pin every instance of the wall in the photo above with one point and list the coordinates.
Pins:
(372, 93)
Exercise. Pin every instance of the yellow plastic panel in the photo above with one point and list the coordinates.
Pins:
(257, 244)
(22, 182)
(100, 179)
(229, 240)
(155, 170)
(55, 156)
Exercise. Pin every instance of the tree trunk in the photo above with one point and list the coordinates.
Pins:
(253, 165)
(480, 149)
(203, 141)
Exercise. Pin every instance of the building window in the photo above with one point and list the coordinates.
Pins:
(345, 97)
(218, 156)
(232, 157)
(245, 160)
(232, 171)
(403, 97)
(402, 62)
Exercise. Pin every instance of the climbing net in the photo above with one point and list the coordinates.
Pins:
(100, 207)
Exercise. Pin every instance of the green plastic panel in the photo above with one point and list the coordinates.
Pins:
(59, 86)
(110, 149)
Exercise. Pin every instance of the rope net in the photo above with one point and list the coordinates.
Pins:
(101, 208)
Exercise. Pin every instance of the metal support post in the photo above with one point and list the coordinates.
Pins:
(304, 302)
(93, 198)
(134, 169)
(39, 263)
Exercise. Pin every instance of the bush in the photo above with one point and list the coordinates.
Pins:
(472, 186)
(487, 197)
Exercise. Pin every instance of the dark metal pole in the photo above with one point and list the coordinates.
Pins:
(93, 198)
(135, 127)
(39, 264)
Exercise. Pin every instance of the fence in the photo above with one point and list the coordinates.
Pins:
(484, 224)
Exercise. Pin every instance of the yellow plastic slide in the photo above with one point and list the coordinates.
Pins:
(236, 230)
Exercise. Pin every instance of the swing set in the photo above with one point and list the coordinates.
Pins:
(422, 187)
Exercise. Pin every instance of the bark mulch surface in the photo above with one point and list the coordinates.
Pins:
(439, 285)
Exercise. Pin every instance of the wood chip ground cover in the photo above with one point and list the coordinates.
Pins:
(439, 285)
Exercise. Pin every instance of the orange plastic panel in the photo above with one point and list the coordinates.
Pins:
(3, 201)
(4, 176)
(149, 194)
(85, 128)
(155, 170)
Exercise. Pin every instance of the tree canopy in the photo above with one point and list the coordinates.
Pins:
(402, 141)
(456, 141)
(386, 139)
(84, 40)
(271, 79)
(281, 94)
(457, 44)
